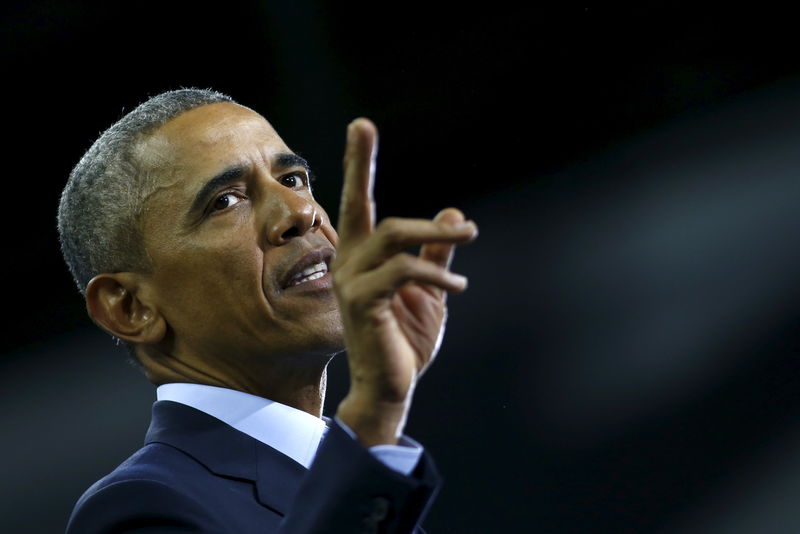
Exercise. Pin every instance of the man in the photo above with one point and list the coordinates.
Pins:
(192, 231)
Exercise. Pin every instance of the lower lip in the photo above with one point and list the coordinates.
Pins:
(318, 284)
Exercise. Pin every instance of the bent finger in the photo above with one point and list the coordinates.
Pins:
(393, 235)
(384, 281)
(437, 252)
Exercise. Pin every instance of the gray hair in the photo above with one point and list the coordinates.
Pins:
(100, 211)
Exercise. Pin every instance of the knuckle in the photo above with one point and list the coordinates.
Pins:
(391, 228)
(403, 262)
(351, 295)
(347, 295)
(349, 206)
(337, 264)
(339, 279)
(357, 299)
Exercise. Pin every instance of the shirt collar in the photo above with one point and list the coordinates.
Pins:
(293, 432)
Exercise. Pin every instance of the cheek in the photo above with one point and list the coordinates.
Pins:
(227, 265)
(222, 268)
(208, 292)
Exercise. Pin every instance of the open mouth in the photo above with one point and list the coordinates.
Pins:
(312, 266)
(318, 270)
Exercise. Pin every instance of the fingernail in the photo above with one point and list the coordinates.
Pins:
(465, 225)
(457, 279)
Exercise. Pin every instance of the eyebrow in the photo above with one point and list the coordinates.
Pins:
(289, 159)
(232, 174)
(223, 179)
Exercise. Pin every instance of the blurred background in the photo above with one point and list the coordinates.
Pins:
(626, 358)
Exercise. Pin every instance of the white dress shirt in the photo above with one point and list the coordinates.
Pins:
(293, 432)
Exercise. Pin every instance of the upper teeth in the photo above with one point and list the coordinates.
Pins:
(310, 273)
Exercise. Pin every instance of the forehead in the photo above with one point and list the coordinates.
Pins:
(209, 137)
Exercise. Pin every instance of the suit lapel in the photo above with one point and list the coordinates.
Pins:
(279, 478)
(227, 452)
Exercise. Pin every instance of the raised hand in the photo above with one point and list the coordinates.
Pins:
(393, 304)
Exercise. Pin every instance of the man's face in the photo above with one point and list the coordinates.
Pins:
(229, 229)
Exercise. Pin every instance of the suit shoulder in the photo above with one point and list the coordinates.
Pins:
(154, 462)
(149, 486)
(134, 504)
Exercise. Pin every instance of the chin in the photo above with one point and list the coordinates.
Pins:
(333, 342)
(331, 333)
(325, 342)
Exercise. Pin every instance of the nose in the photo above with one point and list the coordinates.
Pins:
(292, 215)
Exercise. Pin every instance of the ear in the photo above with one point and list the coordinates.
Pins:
(115, 304)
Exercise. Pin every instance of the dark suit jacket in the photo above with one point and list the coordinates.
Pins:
(197, 474)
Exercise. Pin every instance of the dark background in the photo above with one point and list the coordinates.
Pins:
(626, 358)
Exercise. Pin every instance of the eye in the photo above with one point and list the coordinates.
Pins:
(224, 201)
(294, 180)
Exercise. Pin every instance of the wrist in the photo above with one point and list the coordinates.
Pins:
(374, 422)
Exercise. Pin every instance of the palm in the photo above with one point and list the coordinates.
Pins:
(419, 316)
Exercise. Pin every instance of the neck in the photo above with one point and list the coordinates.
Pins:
(299, 382)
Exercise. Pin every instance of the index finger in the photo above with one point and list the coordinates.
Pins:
(357, 207)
